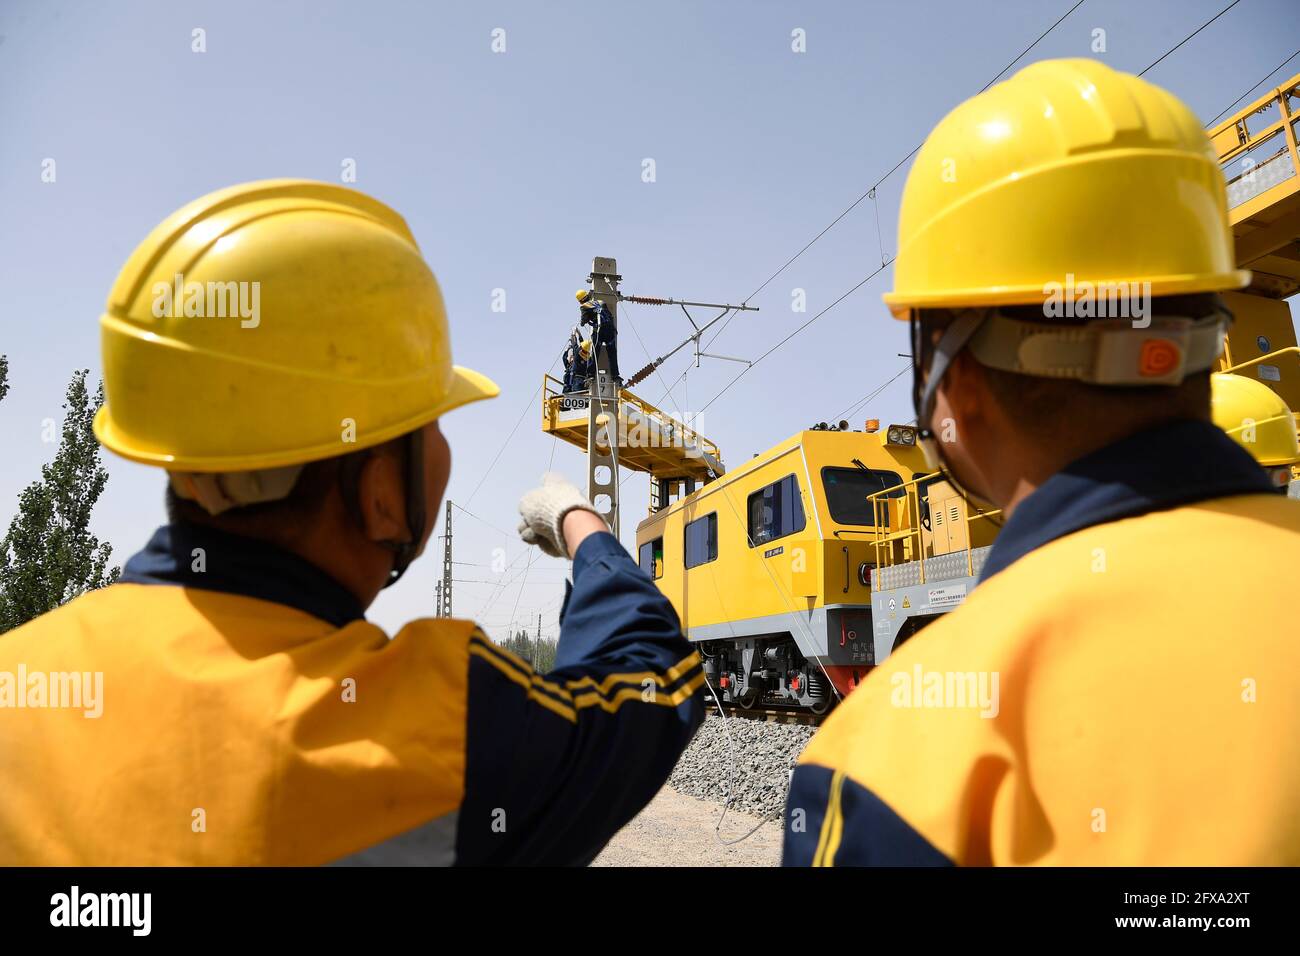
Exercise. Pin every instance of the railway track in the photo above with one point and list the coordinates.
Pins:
(769, 715)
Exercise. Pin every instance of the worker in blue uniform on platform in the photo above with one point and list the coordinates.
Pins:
(1122, 686)
(574, 363)
(250, 714)
(594, 313)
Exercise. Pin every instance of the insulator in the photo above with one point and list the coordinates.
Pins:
(640, 375)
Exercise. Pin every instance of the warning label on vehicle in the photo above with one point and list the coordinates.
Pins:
(949, 595)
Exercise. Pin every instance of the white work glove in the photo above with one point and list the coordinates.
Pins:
(543, 510)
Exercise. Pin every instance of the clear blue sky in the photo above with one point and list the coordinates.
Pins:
(514, 170)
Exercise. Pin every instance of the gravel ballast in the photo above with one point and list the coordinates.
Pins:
(754, 763)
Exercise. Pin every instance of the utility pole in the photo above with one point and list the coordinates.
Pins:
(437, 597)
(444, 597)
(602, 420)
(539, 627)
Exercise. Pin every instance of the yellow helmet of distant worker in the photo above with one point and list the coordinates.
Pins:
(273, 324)
(584, 298)
(1068, 173)
(1256, 418)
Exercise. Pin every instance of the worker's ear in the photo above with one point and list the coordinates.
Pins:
(381, 487)
(381, 496)
(966, 391)
(969, 422)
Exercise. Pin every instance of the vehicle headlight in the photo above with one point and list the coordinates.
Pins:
(901, 435)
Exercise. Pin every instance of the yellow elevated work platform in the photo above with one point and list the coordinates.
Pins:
(1257, 150)
(1261, 166)
(648, 439)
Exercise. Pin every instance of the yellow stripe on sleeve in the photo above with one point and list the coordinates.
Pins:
(611, 704)
(663, 680)
(550, 703)
(595, 694)
(828, 841)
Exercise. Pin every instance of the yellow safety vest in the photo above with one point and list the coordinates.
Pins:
(237, 729)
(1127, 693)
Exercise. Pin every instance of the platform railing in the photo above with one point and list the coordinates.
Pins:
(883, 537)
(1257, 146)
(682, 434)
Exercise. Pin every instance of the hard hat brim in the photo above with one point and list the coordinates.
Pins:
(466, 386)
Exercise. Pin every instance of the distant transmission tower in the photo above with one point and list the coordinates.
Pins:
(444, 590)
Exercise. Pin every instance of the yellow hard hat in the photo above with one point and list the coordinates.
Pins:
(582, 295)
(1256, 418)
(1067, 173)
(275, 323)
(584, 347)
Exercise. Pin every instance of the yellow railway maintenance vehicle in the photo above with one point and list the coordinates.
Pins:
(771, 565)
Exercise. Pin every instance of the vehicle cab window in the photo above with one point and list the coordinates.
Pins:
(775, 511)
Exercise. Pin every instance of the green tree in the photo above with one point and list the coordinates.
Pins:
(519, 645)
(48, 556)
(4, 377)
(543, 656)
(538, 652)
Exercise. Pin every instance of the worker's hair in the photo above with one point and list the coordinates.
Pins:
(268, 518)
(1043, 406)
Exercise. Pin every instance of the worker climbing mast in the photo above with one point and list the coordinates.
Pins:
(602, 411)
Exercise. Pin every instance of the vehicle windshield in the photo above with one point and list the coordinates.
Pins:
(847, 490)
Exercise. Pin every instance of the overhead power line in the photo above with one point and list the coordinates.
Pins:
(863, 281)
(1267, 77)
(1190, 35)
(465, 510)
(852, 409)
(529, 404)
(898, 165)
(870, 193)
